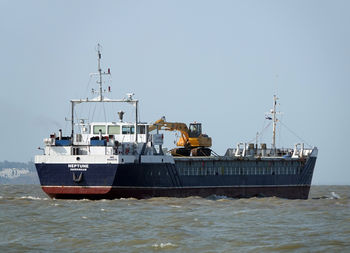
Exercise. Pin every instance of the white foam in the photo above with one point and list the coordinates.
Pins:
(127, 199)
(103, 210)
(33, 198)
(175, 206)
(218, 197)
(84, 217)
(241, 211)
(79, 200)
(335, 196)
(163, 245)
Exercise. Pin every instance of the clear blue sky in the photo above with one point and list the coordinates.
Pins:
(216, 62)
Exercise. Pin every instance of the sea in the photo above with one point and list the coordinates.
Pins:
(32, 222)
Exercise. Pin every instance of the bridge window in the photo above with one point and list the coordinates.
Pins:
(113, 129)
(97, 129)
(142, 129)
(128, 130)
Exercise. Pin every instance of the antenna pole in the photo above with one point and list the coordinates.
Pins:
(136, 123)
(72, 121)
(274, 119)
(99, 70)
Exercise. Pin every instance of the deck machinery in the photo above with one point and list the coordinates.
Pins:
(192, 140)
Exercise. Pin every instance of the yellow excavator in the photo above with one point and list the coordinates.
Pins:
(192, 141)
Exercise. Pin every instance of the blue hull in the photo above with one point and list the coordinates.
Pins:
(188, 177)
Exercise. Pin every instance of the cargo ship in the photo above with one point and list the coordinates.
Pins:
(126, 159)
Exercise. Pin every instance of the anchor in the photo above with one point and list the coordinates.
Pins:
(77, 179)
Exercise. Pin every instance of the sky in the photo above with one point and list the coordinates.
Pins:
(214, 62)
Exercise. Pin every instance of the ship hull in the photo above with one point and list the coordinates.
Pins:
(289, 192)
(187, 177)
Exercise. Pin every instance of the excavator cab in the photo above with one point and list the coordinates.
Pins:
(195, 130)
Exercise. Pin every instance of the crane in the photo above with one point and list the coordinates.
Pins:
(192, 141)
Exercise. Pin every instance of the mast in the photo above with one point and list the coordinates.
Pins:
(99, 82)
(136, 120)
(72, 121)
(274, 119)
(100, 98)
(99, 70)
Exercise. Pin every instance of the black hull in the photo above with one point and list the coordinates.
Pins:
(289, 192)
(188, 177)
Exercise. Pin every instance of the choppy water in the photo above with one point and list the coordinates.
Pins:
(30, 221)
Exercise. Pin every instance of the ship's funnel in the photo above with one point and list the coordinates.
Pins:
(121, 114)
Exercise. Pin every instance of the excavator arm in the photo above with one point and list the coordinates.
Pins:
(161, 124)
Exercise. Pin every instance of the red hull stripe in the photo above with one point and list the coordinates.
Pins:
(99, 192)
(76, 190)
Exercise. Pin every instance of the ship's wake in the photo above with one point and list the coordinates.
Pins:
(332, 195)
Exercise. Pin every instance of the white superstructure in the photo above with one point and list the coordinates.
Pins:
(105, 142)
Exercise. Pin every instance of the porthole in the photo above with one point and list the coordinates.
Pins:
(78, 158)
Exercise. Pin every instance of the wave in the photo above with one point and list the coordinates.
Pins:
(164, 245)
(218, 197)
(75, 200)
(333, 195)
(175, 206)
(32, 198)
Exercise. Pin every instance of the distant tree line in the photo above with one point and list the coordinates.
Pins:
(19, 165)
